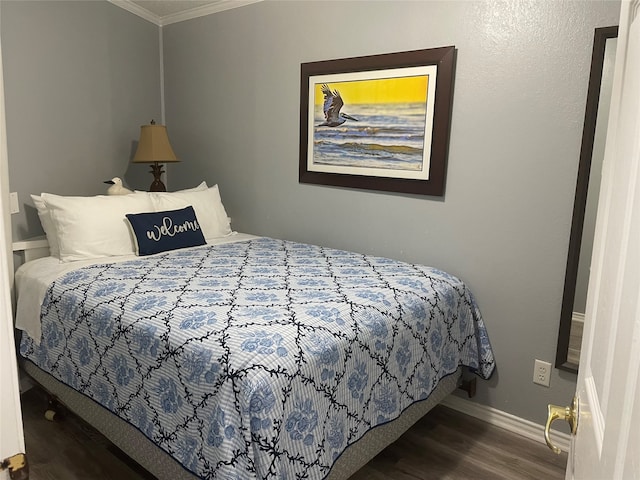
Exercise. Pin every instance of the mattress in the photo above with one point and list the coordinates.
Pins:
(260, 358)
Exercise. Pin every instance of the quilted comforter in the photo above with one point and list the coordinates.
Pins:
(262, 358)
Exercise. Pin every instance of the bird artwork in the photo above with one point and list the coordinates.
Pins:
(332, 105)
(116, 187)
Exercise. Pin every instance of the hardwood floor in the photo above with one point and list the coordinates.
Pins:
(68, 448)
(445, 444)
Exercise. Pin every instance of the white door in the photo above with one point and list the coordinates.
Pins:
(607, 442)
(11, 433)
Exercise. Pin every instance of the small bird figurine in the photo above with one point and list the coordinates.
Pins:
(116, 187)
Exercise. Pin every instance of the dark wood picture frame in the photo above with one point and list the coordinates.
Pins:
(441, 61)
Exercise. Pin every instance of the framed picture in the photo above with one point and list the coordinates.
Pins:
(379, 122)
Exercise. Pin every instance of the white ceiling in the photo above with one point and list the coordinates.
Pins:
(164, 12)
(169, 7)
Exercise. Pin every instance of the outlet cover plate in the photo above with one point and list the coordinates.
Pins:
(13, 201)
(542, 373)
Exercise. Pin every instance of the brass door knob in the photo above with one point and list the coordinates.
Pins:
(570, 414)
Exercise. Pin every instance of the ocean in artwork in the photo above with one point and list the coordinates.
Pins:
(386, 136)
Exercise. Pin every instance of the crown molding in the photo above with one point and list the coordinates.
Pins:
(129, 6)
(196, 12)
(216, 7)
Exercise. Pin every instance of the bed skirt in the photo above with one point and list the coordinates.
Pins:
(138, 447)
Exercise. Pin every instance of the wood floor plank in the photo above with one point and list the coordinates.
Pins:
(444, 445)
(478, 440)
(69, 449)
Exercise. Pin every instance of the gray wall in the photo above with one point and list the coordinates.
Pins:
(232, 90)
(80, 79)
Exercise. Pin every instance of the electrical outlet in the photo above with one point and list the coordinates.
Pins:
(13, 201)
(541, 373)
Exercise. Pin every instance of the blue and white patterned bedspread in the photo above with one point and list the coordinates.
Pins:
(261, 358)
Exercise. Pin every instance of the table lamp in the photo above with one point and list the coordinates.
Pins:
(154, 148)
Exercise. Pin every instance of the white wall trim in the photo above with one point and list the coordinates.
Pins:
(217, 6)
(220, 6)
(161, 53)
(509, 422)
(129, 6)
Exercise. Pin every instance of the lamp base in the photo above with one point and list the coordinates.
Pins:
(157, 185)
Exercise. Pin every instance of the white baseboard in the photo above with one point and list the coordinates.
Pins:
(505, 420)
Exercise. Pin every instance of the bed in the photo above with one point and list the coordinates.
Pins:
(241, 356)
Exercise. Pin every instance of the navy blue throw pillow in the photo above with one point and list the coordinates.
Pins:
(162, 231)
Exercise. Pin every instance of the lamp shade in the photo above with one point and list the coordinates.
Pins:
(154, 145)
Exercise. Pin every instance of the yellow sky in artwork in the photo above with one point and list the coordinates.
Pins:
(387, 90)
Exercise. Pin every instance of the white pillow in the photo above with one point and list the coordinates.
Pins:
(94, 227)
(207, 204)
(198, 188)
(47, 225)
